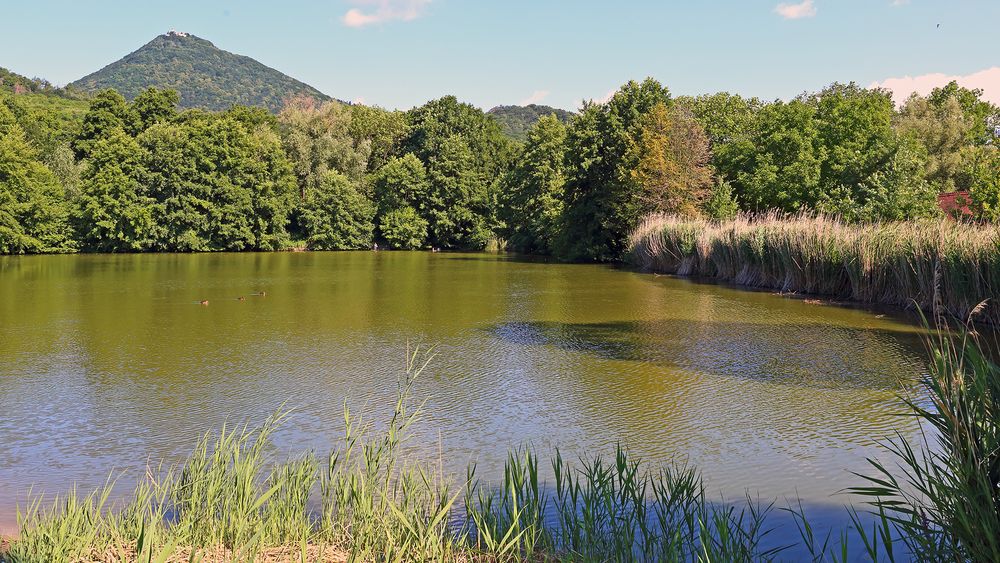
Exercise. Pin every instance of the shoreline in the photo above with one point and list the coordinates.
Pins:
(905, 313)
(941, 267)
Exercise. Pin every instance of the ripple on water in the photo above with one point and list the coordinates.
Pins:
(106, 361)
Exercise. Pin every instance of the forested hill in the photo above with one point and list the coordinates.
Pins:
(205, 76)
(13, 82)
(516, 120)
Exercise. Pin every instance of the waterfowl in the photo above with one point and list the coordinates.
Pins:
(241, 298)
(203, 302)
(261, 294)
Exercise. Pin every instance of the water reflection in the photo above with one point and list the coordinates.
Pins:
(814, 354)
(106, 361)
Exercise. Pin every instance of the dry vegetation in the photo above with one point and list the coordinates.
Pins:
(905, 263)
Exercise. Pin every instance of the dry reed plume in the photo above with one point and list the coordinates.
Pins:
(885, 263)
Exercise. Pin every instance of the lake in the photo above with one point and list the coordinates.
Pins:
(107, 361)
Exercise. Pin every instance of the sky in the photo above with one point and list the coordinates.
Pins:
(401, 53)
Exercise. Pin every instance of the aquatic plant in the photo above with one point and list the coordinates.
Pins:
(904, 264)
(495, 245)
(946, 504)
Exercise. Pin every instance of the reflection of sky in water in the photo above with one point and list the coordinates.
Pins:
(106, 361)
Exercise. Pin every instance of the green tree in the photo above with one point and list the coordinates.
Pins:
(725, 117)
(338, 216)
(982, 117)
(672, 169)
(401, 199)
(586, 194)
(402, 182)
(317, 139)
(855, 130)
(177, 160)
(33, 214)
(48, 122)
(403, 228)
(833, 151)
(602, 206)
(263, 170)
(437, 121)
(153, 106)
(981, 169)
(465, 155)
(896, 191)
(457, 198)
(383, 130)
(721, 204)
(108, 111)
(62, 162)
(252, 117)
(780, 166)
(534, 197)
(219, 183)
(115, 214)
(942, 128)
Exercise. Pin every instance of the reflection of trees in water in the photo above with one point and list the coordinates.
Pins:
(803, 354)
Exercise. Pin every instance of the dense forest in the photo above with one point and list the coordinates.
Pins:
(111, 175)
(203, 75)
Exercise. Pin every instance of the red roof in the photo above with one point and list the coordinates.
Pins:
(955, 204)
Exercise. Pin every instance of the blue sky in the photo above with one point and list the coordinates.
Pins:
(400, 53)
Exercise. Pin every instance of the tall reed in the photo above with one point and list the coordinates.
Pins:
(900, 264)
(231, 501)
(946, 504)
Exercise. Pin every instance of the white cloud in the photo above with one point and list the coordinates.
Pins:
(378, 11)
(607, 97)
(987, 80)
(804, 9)
(535, 97)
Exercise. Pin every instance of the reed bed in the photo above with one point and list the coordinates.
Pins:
(931, 264)
(363, 502)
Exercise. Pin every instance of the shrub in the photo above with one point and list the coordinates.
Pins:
(721, 204)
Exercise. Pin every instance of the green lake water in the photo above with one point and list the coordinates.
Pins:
(108, 360)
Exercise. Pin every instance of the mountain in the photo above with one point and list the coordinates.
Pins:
(516, 120)
(205, 76)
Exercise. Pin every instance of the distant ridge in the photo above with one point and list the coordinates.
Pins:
(205, 76)
(14, 83)
(516, 120)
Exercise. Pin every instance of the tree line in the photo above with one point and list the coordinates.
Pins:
(143, 176)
